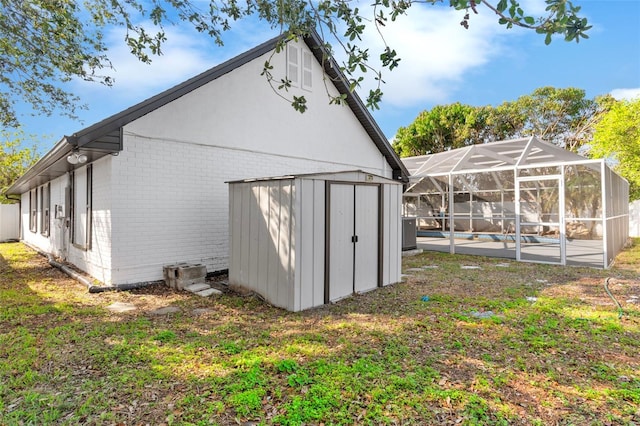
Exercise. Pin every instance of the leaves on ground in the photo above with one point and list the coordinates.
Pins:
(554, 351)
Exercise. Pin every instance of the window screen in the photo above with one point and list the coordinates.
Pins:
(45, 200)
(33, 210)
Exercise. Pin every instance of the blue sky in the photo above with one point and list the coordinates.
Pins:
(441, 63)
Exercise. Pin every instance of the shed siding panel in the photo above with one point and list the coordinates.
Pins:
(235, 203)
(318, 242)
(393, 262)
(274, 231)
(245, 239)
(264, 240)
(285, 246)
(307, 243)
(386, 231)
(253, 223)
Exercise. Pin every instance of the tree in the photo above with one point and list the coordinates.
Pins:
(14, 160)
(563, 117)
(442, 128)
(617, 137)
(46, 43)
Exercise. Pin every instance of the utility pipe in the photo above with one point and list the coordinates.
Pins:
(84, 280)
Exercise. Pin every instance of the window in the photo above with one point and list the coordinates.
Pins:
(33, 210)
(299, 67)
(293, 64)
(81, 199)
(44, 206)
(307, 63)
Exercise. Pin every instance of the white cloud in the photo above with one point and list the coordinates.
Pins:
(437, 52)
(182, 56)
(535, 8)
(627, 94)
(185, 54)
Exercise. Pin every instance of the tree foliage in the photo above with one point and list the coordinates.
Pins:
(46, 43)
(442, 128)
(563, 117)
(617, 137)
(14, 160)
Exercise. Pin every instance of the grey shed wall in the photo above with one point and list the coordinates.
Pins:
(279, 233)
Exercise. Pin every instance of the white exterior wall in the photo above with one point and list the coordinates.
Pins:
(240, 111)
(95, 261)
(9, 222)
(170, 199)
(54, 242)
(57, 243)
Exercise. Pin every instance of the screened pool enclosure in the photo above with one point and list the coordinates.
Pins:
(523, 199)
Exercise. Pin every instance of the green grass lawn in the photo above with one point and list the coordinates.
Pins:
(511, 343)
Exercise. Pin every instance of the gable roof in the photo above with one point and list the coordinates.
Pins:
(105, 137)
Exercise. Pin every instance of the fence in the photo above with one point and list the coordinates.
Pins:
(634, 219)
(9, 222)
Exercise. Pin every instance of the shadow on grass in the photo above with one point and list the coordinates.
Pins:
(381, 357)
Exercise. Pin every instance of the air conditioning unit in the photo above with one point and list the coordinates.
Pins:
(409, 233)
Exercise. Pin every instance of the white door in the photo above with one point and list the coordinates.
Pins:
(353, 239)
(366, 248)
(341, 218)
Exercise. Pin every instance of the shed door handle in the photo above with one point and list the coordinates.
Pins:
(354, 239)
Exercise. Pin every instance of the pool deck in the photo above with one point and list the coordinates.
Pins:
(579, 252)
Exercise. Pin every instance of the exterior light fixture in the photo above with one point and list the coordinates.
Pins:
(76, 158)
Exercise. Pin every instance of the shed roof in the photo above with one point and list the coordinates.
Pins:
(105, 137)
(319, 175)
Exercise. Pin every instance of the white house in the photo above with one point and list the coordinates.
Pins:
(152, 190)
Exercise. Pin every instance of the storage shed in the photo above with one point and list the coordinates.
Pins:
(307, 240)
(523, 199)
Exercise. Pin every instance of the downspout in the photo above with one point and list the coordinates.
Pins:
(88, 282)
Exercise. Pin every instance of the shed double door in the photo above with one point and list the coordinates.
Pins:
(353, 239)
